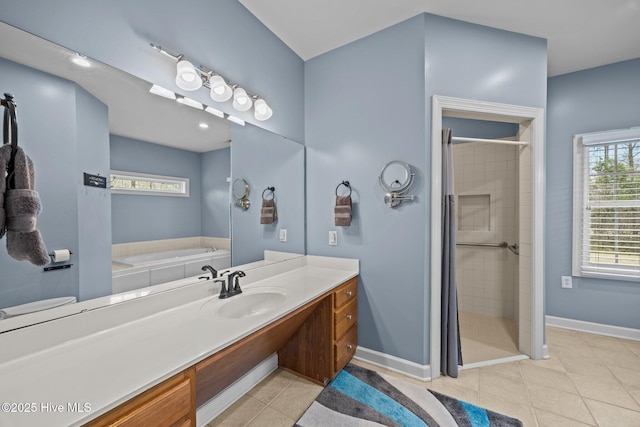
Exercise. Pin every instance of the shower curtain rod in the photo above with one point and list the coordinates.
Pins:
(461, 139)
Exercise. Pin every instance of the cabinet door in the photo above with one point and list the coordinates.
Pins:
(168, 404)
(163, 411)
(345, 347)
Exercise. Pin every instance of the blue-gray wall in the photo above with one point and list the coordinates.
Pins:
(220, 34)
(216, 168)
(598, 99)
(354, 128)
(365, 106)
(141, 217)
(94, 204)
(265, 159)
(53, 115)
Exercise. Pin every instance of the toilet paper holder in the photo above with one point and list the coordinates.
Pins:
(53, 255)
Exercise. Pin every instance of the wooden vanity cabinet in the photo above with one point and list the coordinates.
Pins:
(328, 339)
(345, 328)
(315, 342)
(168, 404)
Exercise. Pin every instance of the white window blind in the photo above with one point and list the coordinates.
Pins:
(147, 184)
(606, 235)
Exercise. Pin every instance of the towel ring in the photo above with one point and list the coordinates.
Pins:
(346, 184)
(272, 190)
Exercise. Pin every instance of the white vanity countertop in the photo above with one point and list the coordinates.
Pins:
(107, 367)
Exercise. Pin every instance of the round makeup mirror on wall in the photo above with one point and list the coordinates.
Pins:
(240, 191)
(396, 179)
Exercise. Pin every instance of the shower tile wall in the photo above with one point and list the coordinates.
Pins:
(486, 277)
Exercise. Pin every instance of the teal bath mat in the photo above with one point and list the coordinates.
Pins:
(359, 397)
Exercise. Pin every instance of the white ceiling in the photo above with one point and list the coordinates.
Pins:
(581, 34)
(133, 111)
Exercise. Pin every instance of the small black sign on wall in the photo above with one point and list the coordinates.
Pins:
(95, 180)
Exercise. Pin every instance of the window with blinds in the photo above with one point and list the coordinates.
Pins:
(606, 236)
(146, 184)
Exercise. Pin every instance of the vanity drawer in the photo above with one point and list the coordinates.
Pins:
(346, 292)
(345, 318)
(345, 347)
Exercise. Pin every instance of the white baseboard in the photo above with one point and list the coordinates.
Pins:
(392, 363)
(594, 328)
(214, 407)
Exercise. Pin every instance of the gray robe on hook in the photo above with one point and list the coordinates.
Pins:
(21, 207)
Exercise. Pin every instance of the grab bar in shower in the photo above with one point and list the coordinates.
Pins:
(513, 248)
(492, 245)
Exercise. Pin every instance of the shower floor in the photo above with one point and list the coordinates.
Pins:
(486, 338)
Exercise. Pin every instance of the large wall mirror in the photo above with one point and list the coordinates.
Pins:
(74, 120)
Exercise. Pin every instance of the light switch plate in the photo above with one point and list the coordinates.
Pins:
(283, 234)
(333, 238)
(566, 282)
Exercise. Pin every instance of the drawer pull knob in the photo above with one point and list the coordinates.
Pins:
(349, 317)
(349, 293)
(349, 346)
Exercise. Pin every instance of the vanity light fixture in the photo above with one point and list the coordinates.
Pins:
(187, 77)
(261, 110)
(220, 90)
(190, 77)
(241, 101)
(160, 91)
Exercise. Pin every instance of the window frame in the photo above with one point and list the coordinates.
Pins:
(183, 182)
(581, 222)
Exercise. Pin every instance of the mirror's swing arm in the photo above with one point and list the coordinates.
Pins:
(396, 190)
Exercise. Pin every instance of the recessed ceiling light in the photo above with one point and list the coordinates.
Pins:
(203, 126)
(81, 60)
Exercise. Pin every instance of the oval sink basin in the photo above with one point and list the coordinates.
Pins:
(252, 303)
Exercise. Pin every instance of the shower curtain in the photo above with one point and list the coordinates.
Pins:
(450, 350)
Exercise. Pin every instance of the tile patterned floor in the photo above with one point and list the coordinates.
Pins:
(589, 380)
(486, 337)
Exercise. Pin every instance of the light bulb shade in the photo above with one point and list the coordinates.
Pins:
(241, 101)
(220, 90)
(261, 110)
(187, 78)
